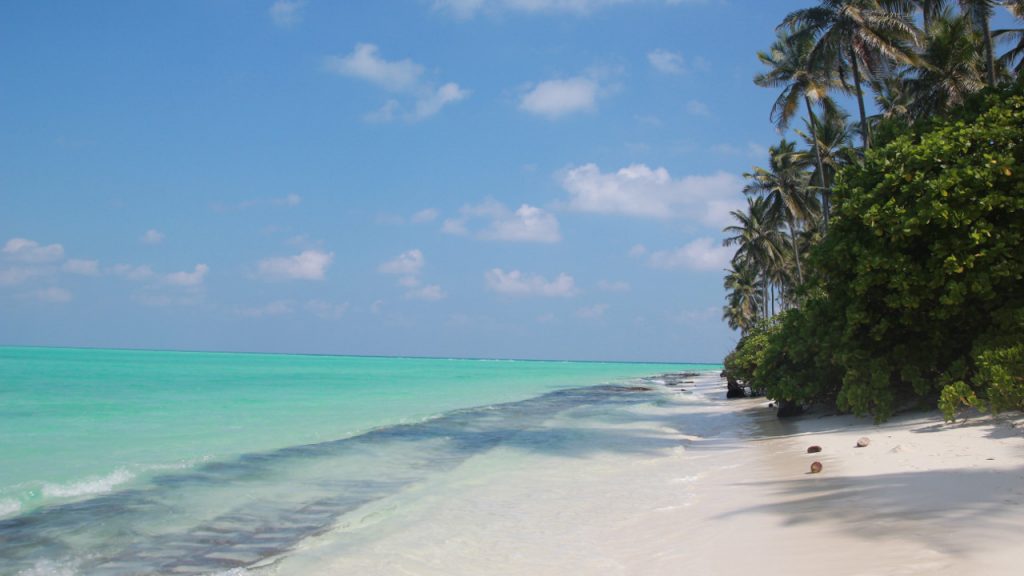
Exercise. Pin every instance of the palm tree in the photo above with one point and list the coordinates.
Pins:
(861, 34)
(930, 10)
(744, 299)
(1016, 35)
(759, 241)
(954, 68)
(785, 185)
(831, 139)
(979, 13)
(787, 62)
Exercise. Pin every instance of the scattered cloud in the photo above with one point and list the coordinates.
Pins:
(525, 224)
(25, 250)
(152, 236)
(515, 283)
(637, 250)
(667, 62)
(131, 272)
(465, 9)
(425, 215)
(190, 279)
(277, 308)
(641, 191)
(399, 77)
(408, 263)
(327, 310)
(618, 286)
(554, 99)
(53, 295)
(592, 312)
(648, 120)
(17, 275)
(82, 267)
(430, 293)
(306, 265)
(286, 13)
(288, 201)
(698, 108)
(699, 254)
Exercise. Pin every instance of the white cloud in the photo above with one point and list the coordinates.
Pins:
(286, 13)
(698, 108)
(515, 283)
(327, 310)
(700, 254)
(425, 215)
(556, 98)
(83, 267)
(407, 263)
(399, 76)
(592, 312)
(365, 63)
(17, 275)
(465, 9)
(638, 190)
(637, 250)
(307, 265)
(667, 62)
(52, 294)
(618, 286)
(526, 224)
(277, 308)
(25, 250)
(292, 200)
(427, 106)
(153, 236)
(193, 278)
(430, 293)
(131, 272)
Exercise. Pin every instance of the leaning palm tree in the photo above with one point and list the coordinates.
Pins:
(788, 68)
(866, 35)
(785, 186)
(758, 239)
(979, 13)
(744, 303)
(1013, 59)
(954, 68)
(829, 140)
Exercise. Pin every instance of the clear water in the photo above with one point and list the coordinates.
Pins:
(121, 462)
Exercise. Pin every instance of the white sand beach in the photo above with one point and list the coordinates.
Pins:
(695, 485)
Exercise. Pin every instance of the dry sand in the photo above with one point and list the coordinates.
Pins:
(698, 485)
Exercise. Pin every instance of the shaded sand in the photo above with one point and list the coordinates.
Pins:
(692, 484)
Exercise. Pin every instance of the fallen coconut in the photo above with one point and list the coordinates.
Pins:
(863, 441)
(813, 449)
(815, 467)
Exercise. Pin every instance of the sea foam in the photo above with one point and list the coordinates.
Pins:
(89, 486)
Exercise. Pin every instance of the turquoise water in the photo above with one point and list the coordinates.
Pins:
(164, 443)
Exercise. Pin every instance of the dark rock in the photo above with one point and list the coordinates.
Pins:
(815, 467)
(735, 389)
(813, 449)
(789, 409)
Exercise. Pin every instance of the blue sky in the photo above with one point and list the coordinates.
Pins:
(482, 178)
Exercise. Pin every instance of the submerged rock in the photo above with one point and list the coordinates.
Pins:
(735, 389)
(863, 441)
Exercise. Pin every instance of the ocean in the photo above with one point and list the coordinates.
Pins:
(143, 462)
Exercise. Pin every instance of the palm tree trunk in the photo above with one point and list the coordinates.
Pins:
(865, 131)
(796, 252)
(990, 60)
(764, 286)
(821, 167)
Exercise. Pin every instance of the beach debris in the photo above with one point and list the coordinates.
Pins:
(813, 449)
(815, 467)
(863, 441)
(771, 404)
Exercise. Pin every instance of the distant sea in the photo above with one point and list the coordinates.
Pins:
(123, 462)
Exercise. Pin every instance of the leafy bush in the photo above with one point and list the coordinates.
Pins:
(742, 362)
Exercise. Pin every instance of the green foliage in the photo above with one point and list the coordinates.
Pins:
(922, 262)
(954, 396)
(742, 363)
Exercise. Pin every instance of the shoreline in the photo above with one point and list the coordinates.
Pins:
(696, 484)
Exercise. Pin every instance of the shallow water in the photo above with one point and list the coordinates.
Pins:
(126, 462)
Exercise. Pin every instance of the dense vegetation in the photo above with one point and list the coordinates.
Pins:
(868, 278)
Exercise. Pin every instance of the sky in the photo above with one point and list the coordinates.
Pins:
(458, 178)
